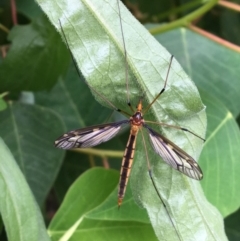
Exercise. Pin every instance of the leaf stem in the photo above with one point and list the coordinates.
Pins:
(185, 21)
(100, 152)
(4, 94)
(4, 29)
(183, 8)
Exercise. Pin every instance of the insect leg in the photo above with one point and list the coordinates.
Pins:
(125, 55)
(175, 127)
(162, 90)
(155, 187)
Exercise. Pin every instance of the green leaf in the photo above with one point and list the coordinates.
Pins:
(93, 32)
(37, 55)
(220, 157)
(73, 101)
(29, 8)
(30, 131)
(90, 212)
(20, 213)
(213, 67)
(232, 226)
(73, 166)
(3, 104)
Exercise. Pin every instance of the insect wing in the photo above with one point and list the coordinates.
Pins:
(174, 156)
(89, 136)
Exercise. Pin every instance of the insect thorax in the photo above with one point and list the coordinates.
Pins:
(137, 119)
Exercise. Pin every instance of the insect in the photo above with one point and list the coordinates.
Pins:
(94, 135)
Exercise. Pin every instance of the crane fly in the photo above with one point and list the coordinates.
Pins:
(170, 153)
(167, 150)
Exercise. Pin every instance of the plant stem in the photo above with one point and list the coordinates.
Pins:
(185, 21)
(100, 152)
(4, 29)
(232, 6)
(183, 8)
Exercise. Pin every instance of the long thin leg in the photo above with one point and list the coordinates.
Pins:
(155, 187)
(162, 90)
(175, 127)
(125, 55)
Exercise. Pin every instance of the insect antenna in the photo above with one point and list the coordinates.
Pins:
(82, 77)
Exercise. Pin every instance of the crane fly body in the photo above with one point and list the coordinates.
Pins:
(94, 135)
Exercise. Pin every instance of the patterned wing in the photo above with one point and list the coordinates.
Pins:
(89, 136)
(174, 156)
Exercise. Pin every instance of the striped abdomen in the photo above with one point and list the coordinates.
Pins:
(126, 165)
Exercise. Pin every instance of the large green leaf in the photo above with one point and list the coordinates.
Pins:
(30, 131)
(37, 55)
(93, 32)
(89, 212)
(213, 67)
(220, 157)
(72, 100)
(20, 213)
(73, 166)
